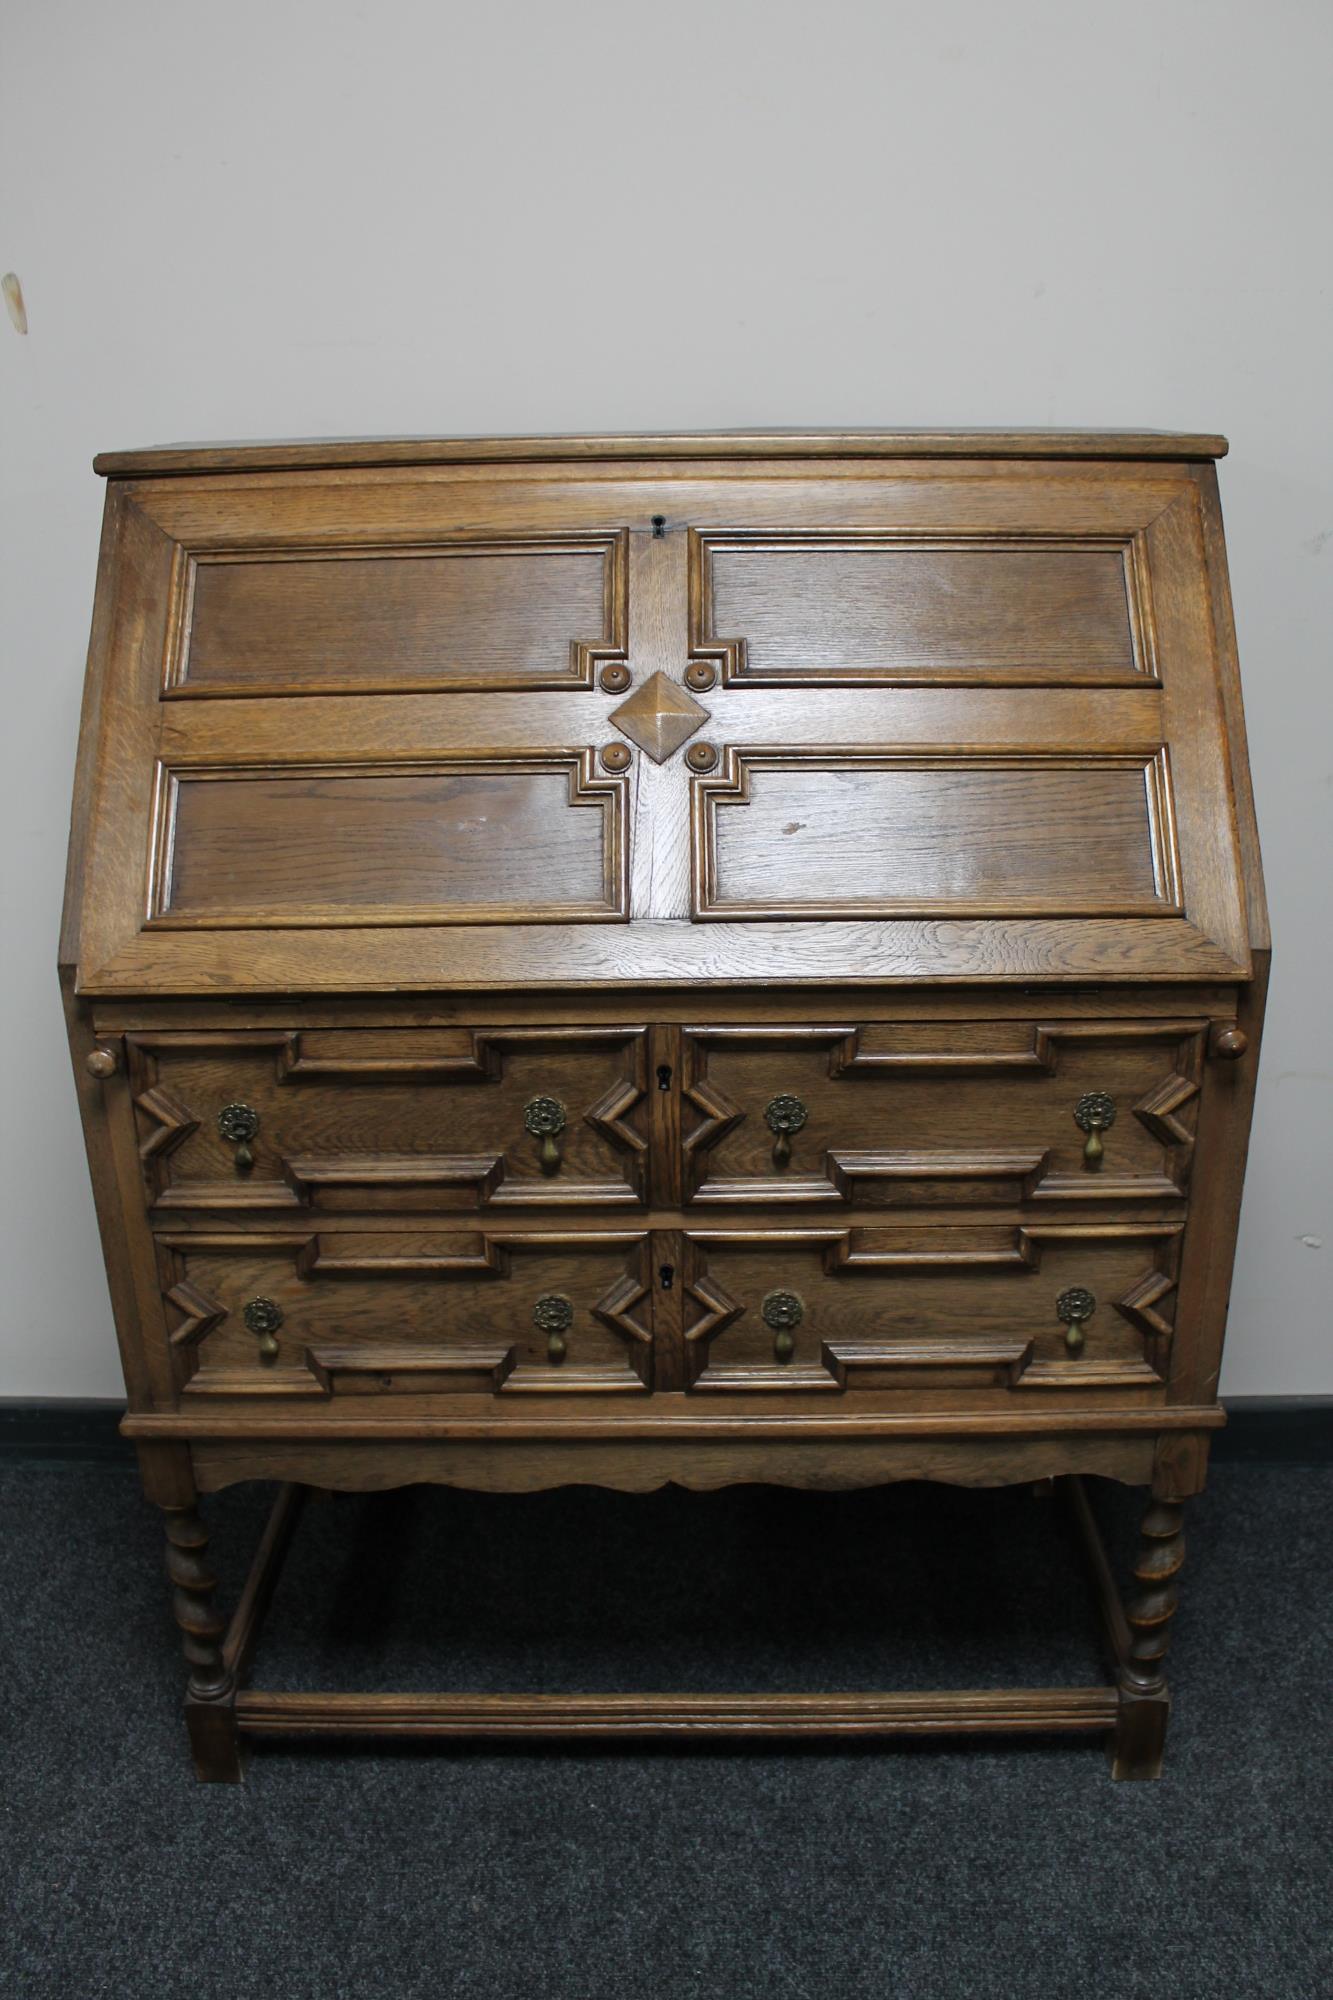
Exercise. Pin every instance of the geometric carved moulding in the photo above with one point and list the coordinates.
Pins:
(342, 1114)
(474, 838)
(805, 832)
(963, 1308)
(923, 1113)
(841, 608)
(659, 717)
(485, 614)
(358, 1310)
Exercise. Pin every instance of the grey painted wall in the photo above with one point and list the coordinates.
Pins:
(281, 219)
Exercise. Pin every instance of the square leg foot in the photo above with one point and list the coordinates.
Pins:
(1140, 1734)
(215, 1741)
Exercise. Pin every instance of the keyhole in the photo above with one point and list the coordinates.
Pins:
(667, 1274)
(664, 1076)
(659, 526)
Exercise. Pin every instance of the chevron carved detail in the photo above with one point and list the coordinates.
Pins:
(1137, 1306)
(610, 1112)
(720, 1311)
(172, 1123)
(1157, 1112)
(199, 1314)
(616, 1310)
(720, 1115)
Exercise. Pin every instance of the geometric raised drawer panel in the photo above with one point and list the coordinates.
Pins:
(408, 1314)
(926, 1114)
(806, 1311)
(396, 1118)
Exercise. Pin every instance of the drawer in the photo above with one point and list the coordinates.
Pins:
(1061, 1308)
(928, 1113)
(360, 1118)
(385, 1313)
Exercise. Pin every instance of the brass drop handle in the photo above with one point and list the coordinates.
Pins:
(785, 1114)
(544, 1118)
(1094, 1114)
(1074, 1307)
(238, 1124)
(264, 1317)
(783, 1311)
(554, 1315)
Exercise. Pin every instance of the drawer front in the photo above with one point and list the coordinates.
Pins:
(384, 1313)
(1073, 1308)
(929, 1113)
(439, 1118)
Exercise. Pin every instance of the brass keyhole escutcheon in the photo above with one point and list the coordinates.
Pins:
(783, 1311)
(238, 1124)
(264, 1317)
(784, 1115)
(1094, 1114)
(554, 1315)
(544, 1118)
(1074, 1307)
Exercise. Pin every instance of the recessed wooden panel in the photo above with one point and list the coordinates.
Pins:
(464, 840)
(509, 613)
(814, 832)
(838, 608)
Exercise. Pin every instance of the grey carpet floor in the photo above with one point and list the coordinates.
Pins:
(1009, 1868)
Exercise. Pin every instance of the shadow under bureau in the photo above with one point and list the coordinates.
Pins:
(692, 959)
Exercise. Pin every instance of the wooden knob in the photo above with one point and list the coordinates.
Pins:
(1229, 1043)
(101, 1063)
(700, 675)
(615, 678)
(701, 756)
(615, 756)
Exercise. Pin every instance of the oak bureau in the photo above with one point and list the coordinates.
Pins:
(637, 959)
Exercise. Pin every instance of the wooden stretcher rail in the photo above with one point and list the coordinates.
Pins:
(955, 1710)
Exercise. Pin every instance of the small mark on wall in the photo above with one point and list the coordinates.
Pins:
(795, 826)
(13, 292)
(1311, 1242)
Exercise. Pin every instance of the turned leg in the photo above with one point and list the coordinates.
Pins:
(1140, 1736)
(210, 1714)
